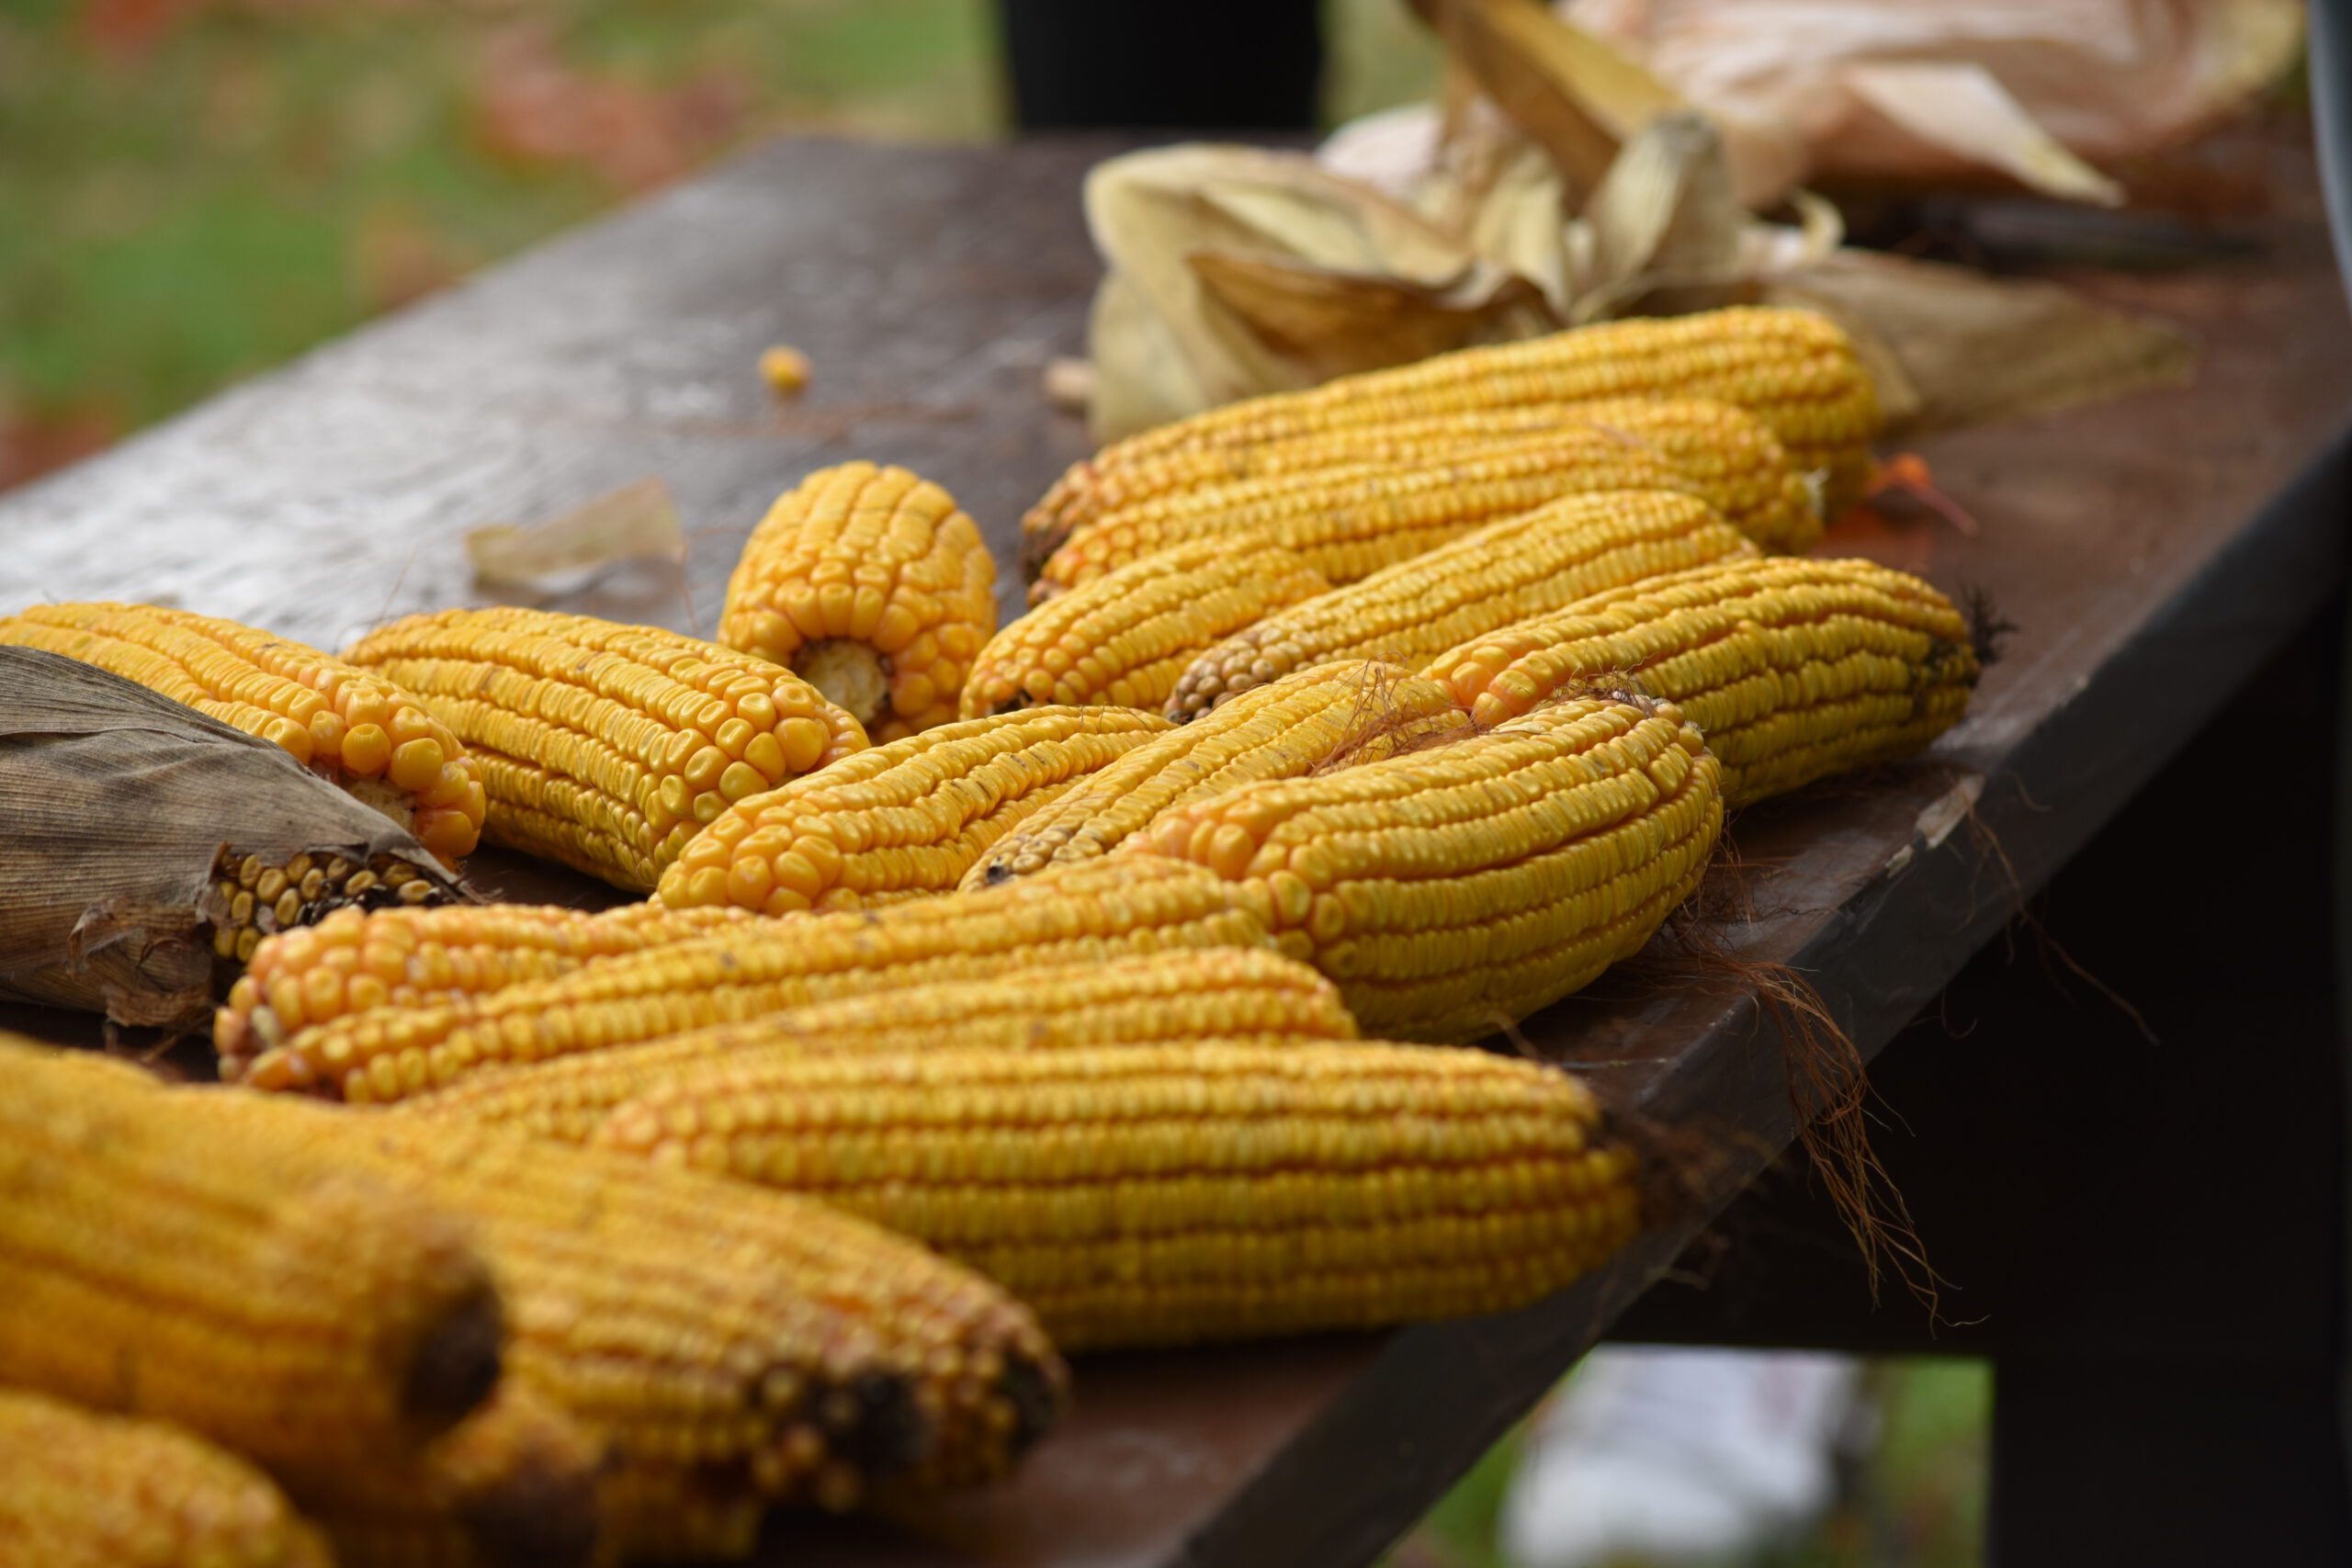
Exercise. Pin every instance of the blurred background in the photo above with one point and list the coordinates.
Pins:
(195, 190)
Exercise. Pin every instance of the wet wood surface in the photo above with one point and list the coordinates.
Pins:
(2151, 552)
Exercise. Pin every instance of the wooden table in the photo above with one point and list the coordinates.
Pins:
(2153, 552)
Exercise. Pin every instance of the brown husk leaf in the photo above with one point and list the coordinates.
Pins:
(640, 519)
(115, 805)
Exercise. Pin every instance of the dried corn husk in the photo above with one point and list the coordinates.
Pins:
(119, 808)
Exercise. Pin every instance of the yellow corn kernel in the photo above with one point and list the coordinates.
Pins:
(1503, 572)
(1085, 915)
(82, 1490)
(604, 746)
(1226, 992)
(1795, 370)
(873, 585)
(1455, 889)
(688, 1322)
(1199, 1189)
(1125, 638)
(261, 1293)
(352, 961)
(329, 714)
(903, 820)
(1332, 715)
(1793, 670)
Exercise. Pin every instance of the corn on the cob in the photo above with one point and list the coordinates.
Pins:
(873, 586)
(353, 727)
(1228, 993)
(258, 1291)
(1795, 369)
(1348, 523)
(903, 820)
(1206, 1189)
(766, 1345)
(351, 962)
(1457, 889)
(1793, 670)
(254, 901)
(81, 1490)
(1125, 638)
(603, 746)
(1332, 716)
(1504, 572)
(514, 1486)
(1745, 473)
(1084, 916)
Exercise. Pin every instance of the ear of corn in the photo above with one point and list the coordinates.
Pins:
(1795, 369)
(1456, 889)
(351, 962)
(1228, 993)
(81, 1490)
(761, 1344)
(607, 747)
(256, 1291)
(514, 1486)
(900, 821)
(1791, 669)
(1203, 1189)
(1085, 916)
(873, 586)
(1125, 638)
(1326, 717)
(1503, 572)
(1349, 523)
(352, 725)
(1744, 471)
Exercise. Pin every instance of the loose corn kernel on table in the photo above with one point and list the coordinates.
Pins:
(2153, 1273)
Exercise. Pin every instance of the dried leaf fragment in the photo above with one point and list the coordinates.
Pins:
(640, 519)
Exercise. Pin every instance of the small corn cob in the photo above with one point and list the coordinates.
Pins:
(1084, 916)
(766, 1345)
(258, 1291)
(1124, 638)
(1745, 472)
(1349, 523)
(1459, 888)
(1203, 1189)
(351, 962)
(873, 586)
(1795, 369)
(1791, 669)
(607, 747)
(353, 727)
(514, 1486)
(1332, 715)
(81, 1490)
(1503, 572)
(1224, 992)
(904, 820)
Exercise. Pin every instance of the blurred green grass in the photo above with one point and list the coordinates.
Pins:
(193, 190)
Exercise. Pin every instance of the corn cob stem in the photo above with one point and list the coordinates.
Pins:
(1455, 890)
(1330, 716)
(608, 747)
(259, 1292)
(903, 820)
(82, 1490)
(1149, 1194)
(1502, 574)
(1228, 993)
(1791, 669)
